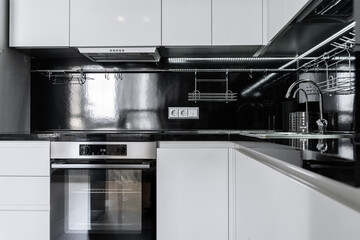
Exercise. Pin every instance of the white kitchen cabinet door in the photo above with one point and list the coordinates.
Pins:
(186, 23)
(24, 158)
(24, 225)
(25, 193)
(237, 22)
(278, 13)
(271, 205)
(192, 194)
(105, 23)
(39, 23)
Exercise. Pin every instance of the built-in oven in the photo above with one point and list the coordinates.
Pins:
(103, 191)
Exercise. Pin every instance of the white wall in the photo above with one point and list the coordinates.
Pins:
(14, 82)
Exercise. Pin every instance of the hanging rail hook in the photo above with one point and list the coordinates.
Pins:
(197, 94)
(82, 78)
(49, 75)
(265, 72)
(119, 76)
(51, 79)
(349, 54)
(107, 75)
(251, 74)
(71, 77)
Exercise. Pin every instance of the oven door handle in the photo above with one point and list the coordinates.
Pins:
(99, 166)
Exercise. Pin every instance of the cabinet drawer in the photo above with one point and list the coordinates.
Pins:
(24, 225)
(20, 158)
(25, 193)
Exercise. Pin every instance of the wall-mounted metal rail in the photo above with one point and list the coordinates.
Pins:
(114, 70)
(80, 76)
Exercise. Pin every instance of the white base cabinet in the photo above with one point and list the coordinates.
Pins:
(25, 190)
(24, 158)
(273, 206)
(192, 193)
(24, 225)
(24, 193)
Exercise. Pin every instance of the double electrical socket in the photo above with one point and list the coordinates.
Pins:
(183, 113)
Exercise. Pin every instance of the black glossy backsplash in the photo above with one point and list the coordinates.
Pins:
(140, 101)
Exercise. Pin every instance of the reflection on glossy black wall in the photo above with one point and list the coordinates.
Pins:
(140, 101)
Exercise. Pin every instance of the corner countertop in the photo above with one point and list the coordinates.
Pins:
(286, 160)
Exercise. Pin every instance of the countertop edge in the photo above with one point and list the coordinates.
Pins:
(196, 144)
(340, 192)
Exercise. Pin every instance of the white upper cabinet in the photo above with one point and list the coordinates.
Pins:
(105, 23)
(39, 23)
(237, 22)
(278, 13)
(186, 23)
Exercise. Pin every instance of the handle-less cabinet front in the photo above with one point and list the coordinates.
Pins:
(25, 190)
(237, 22)
(278, 13)
(24, 193)
(39, 23)
(111, 23)
(25, 158)
(24, 225)
(192, 193)
(186, 23)
(273, 205)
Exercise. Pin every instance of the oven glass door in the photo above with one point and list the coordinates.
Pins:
(102, 201)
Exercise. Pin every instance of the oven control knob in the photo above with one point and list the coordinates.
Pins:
(84, 150)
(122, 150)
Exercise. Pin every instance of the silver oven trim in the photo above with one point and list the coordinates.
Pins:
(99, 166)
(135, 150)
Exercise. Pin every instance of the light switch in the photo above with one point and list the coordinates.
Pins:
(193, 113)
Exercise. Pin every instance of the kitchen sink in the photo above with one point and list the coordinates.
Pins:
(270, 134)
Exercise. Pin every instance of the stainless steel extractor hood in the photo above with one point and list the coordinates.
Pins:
(123, 54)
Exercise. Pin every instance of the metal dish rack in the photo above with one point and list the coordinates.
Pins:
(339, 70)
(227, 96)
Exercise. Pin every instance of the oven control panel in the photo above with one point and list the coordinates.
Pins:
(103, 149)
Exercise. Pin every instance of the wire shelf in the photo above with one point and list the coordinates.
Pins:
(227, 96)
(338, 65)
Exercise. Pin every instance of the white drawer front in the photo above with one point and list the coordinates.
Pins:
(25, 193)
(24, 225)
(24, 158)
